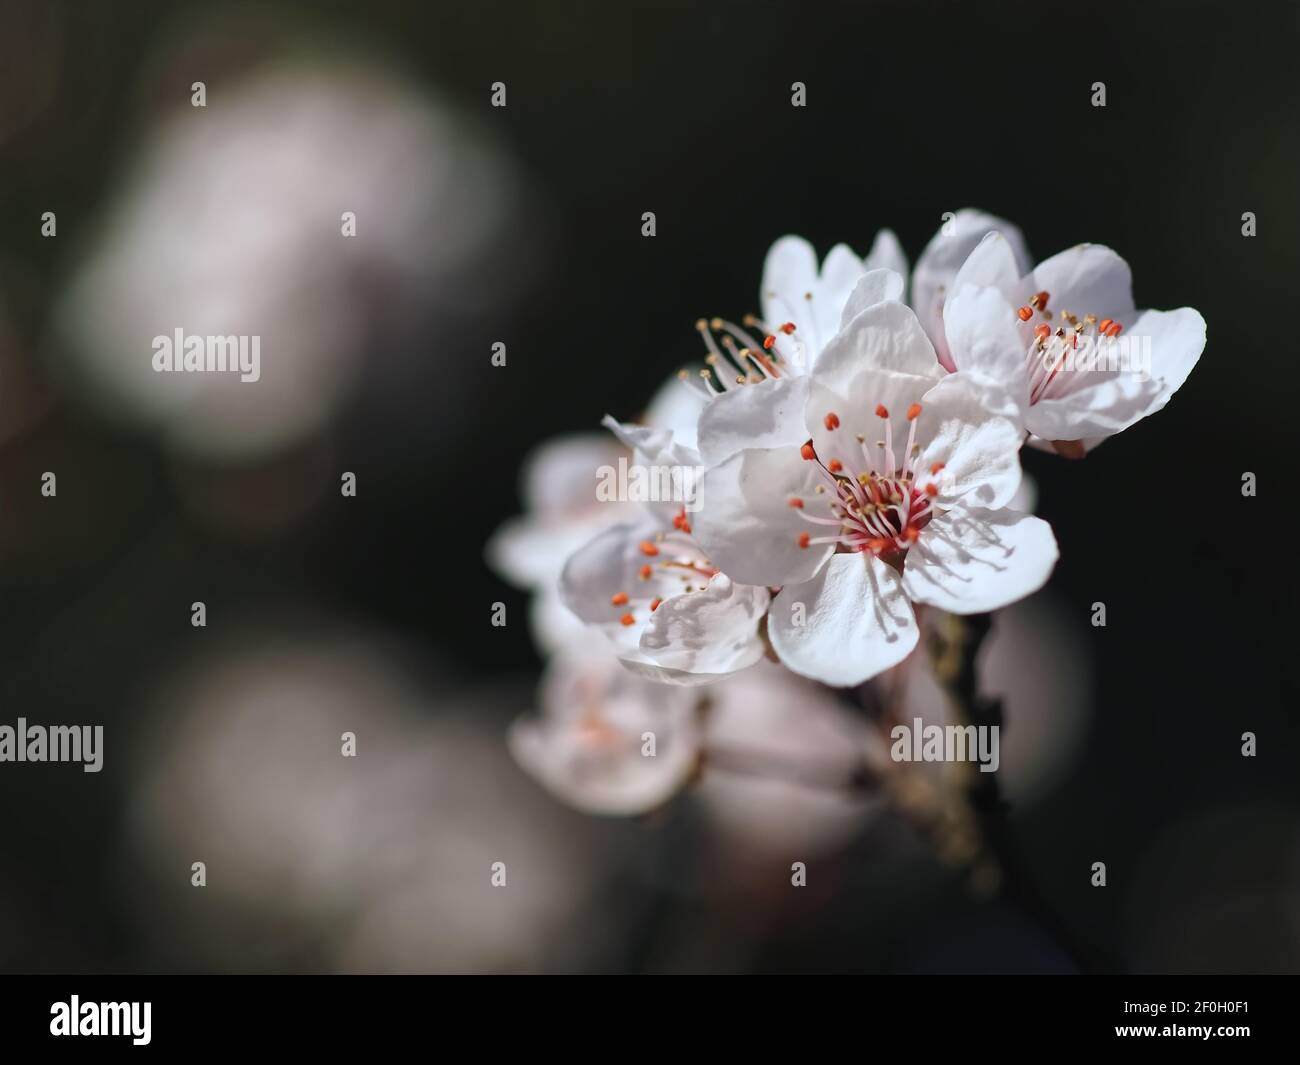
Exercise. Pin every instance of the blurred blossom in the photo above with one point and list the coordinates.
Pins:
(230, 223)
(1030, 662)
(772, 717)
(381, 861)
(588, 743)
(562, 513)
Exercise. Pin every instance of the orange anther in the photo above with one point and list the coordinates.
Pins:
(628, 619)
(831, 421)
(768, 341)
(803, 539)
(913, 412)
(796, 502)
(647, 548)
(808, 451)
(618, 599)
(936, 468)
(835, 465)
(646, 571)
(1025, 313)
(1042, 332)
(654, 604)
(932, 489)
(882, 411)
(788, 328)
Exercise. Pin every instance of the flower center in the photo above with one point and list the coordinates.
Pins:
(1057, 342)
(873, 503)
(674, 563)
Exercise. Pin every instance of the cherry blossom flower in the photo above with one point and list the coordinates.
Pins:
(758, 378)
(897, 495)
(670, 613)
(606, 741)
(563, 512)
(1051, 340)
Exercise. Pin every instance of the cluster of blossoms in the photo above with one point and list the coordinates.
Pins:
(859, 446)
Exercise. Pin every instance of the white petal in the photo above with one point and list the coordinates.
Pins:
(979, 448)
(982, 337)
(606, 566)
(937, 268)
(875, 286)
(991, 265)
(561, 473)
(745, 523)
(1105, 402)
(677, 407)
(886, 336)
(1177, 339)
(1087, 279)
(707, 633)
(767, 414)
(886, 254)
(586, 747)
(849, 623)
(979, 560)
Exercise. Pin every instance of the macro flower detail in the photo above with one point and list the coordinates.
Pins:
(668, 610)
(756, 371)
(934, 277)
(1076, 360)
(896, 496)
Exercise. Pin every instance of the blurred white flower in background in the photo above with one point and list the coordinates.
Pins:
(376, 862)
(230, 222)
(588, 746)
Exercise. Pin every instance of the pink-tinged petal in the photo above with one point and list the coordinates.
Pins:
(767, 414)
(977, 448)
(875, 286)
(976, 560)
(936, 269)
(586, 745)
(746, 524)
(849, 623)
(1087, 279)
(703, 635)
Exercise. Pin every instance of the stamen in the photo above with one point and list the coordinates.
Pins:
(628, 619)
(831, 421)
(618, 599)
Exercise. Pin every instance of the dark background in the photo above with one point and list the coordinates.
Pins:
(913, 110)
